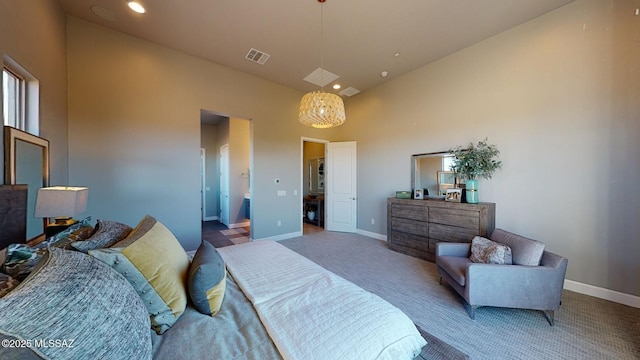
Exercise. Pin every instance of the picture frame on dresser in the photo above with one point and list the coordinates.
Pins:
(418, 194)
(453, 195)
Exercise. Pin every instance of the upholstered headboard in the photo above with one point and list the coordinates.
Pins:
(13, 214)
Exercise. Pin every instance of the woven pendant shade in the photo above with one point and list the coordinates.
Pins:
(321, 110)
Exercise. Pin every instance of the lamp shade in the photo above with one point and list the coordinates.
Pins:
(321, 110)
(61, 201)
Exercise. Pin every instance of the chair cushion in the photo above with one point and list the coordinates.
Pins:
(207, 279)
(156, 265)
(489, 252)
(455, 266)
(524, 251)
(74, 298)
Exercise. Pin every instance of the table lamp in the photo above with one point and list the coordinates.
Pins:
(61, 203)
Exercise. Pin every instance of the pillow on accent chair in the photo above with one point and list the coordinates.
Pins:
(156, 265)
(77, 299)
(489, 252)
(105, 234)
(207, 279)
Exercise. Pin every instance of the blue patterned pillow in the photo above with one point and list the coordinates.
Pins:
(20, 259)
(74, 297)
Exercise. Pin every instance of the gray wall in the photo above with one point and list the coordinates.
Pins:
(33, 33)
(209, 141)
(134, 132)
(559, 97)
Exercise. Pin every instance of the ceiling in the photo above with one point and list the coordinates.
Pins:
(360, 38)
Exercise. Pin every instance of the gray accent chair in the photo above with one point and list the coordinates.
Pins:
(525, 285)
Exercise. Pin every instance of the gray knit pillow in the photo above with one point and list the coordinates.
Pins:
(74, 298)
(489, 252)
(105, 234)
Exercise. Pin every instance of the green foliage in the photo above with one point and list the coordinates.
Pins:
(476, 161)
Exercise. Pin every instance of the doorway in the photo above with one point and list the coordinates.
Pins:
(313, 185)
(227, 148)
(328, 174)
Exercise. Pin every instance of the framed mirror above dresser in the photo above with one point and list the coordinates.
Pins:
(431, 172)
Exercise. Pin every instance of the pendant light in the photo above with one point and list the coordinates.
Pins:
(318, 108)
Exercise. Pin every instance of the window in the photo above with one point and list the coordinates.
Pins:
(13, 99)
(20, 97)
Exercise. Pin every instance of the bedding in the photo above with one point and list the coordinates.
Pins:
(311, 313)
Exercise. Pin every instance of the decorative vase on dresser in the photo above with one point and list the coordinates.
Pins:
(471, 187)
(414, 227)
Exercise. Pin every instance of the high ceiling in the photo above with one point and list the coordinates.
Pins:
(360, 37)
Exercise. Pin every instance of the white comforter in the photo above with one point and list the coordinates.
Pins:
(311, 313)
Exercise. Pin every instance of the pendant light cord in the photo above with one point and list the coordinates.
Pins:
(321, 45)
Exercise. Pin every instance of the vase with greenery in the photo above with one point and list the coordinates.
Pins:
(475, 161)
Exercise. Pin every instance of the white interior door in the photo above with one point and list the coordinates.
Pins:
(340, 193)
(224, 184)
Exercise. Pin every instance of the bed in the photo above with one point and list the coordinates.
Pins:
(281, 305)
(277, 305)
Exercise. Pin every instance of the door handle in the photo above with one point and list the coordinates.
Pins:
(352, 198)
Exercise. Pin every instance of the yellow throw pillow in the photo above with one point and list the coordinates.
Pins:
(156, 265)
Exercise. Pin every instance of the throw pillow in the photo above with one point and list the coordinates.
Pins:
(20, 259)
(78, 231)
(156, 265)
(207, 279)
(489, 252)
(105, 234)
(7, 283)
(87, 309)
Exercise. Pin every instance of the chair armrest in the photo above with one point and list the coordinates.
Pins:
(453, 249)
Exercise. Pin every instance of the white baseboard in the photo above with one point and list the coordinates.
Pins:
(210, 218)
(239, 225)
(281, 237)
(602, 293)
(372, 234)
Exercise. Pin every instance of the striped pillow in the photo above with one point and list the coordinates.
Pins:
(74, 298)
(156, 265)
(207, 279)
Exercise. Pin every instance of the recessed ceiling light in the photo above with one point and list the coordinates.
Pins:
(136, 6)
(336, 86)
(396, 54)
(384, 74)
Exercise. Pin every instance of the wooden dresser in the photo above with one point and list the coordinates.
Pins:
(415, 226)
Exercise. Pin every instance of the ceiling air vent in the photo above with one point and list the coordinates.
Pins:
(257, 56)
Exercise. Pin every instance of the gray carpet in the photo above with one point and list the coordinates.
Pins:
(586, 327)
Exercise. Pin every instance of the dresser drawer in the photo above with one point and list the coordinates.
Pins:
(456, 217)
(411, 241)
(414, 212)
(451, 233)
(410, 226)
